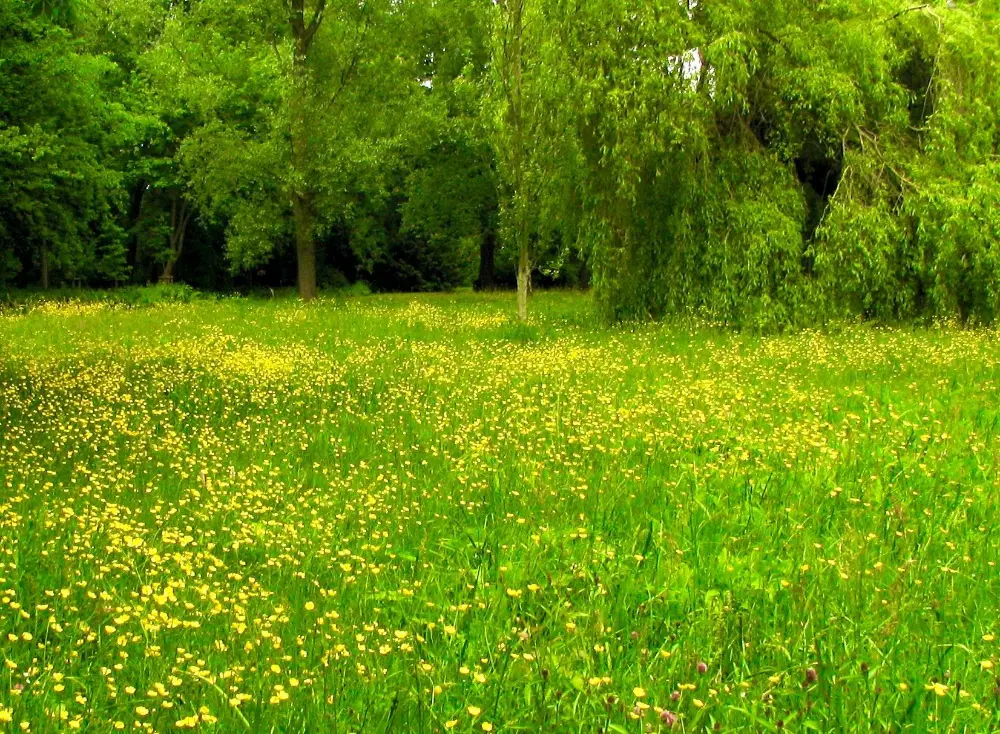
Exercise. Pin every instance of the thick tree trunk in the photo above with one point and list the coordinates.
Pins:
(302, 196)
(305, 246)
(45, 269)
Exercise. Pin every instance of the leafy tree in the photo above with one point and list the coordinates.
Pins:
(160, 209)
(912, 228)
(60, 135)
(528, 129)
(762, 165)
(297, 100)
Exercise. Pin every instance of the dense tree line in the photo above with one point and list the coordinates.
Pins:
(754, 163)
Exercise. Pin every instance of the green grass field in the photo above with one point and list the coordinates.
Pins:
(412, 514)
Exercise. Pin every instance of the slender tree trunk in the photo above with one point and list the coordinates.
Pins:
(523, 277)
(180, 213)
(45, 269)
(513, 73)
(305, 244)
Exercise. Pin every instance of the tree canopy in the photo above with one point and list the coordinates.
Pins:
(754, 164)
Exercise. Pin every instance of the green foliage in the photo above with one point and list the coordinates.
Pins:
(59, 132)
(912, 231)
(808, 159)
(735, 246)
(754, 164)
(528, 124)
(9, 266)
(446, 204)
(271, 130)
(419, 226)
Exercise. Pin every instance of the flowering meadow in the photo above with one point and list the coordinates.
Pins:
(413, 514)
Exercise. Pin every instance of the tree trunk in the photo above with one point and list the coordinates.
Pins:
(305, 246)
(487, 261)
(512, 71)
(523, 278)
(180, 213)
(136, 198)
(302, 194)
(45, 269)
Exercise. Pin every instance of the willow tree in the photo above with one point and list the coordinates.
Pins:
(295, 98)
(691, 201)
(638, 121)
(913, 229)
(761, 164)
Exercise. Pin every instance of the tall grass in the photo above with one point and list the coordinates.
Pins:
(413, 514)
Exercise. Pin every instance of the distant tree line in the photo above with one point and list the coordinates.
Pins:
(754, 163)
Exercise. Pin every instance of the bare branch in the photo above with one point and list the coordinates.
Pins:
(317, 19)
(277, 52)
(904, 11)
(348, 71)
